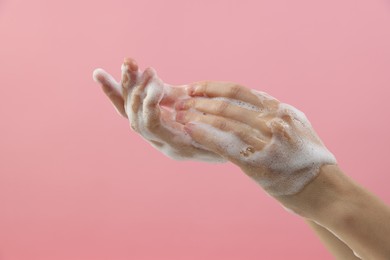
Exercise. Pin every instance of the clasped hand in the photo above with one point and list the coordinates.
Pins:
(273, 142)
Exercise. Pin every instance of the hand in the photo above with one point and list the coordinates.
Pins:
(148, 102)
(274, 143)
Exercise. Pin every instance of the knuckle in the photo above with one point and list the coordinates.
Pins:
(287, 118)
(234, 91)
(221, 124)
(276, 125)
(221, 107)
(281, 128)
(262, 127)
(204, 86)
(193, 103)
(247, 136)
(243, 135)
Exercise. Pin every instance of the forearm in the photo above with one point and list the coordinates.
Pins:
(275, 144)
(354, 215)
(363, 222)
(335, 246)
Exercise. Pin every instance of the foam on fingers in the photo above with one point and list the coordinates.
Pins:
(112, 90)
(292, 157)
(130, 74)
(157, 128)
(239, 103)
(101, 76)
(138, 97)
(96, 73)
(225, 143)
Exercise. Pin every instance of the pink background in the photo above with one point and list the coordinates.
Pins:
(76, 183)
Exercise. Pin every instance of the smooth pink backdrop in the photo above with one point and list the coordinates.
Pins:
(76, 183)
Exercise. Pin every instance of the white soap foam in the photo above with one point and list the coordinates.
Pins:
(180, 147)
(290, 163)
(238, 103)
(124, 68)
(176, 147)
(226, 141)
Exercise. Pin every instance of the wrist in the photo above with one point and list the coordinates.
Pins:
(353, 214)
(323, 195)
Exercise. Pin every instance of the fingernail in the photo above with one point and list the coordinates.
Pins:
(180, 116)
(129, 62)
(133, 65)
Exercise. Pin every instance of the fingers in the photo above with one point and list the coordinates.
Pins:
(144, 109)
(151, 109)
(268, 101)
(225, 109)
(172, 94)
(112, 89)
(134, 101)
(224, 89)
(203, 136)
(130, 76)
(158, 120)
(246, 134)
(225, 144)
(280, 129)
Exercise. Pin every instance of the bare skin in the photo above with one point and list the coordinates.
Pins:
(347, 218)
(335, 246)
(334, 202)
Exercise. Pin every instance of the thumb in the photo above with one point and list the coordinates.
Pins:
(112, 90)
